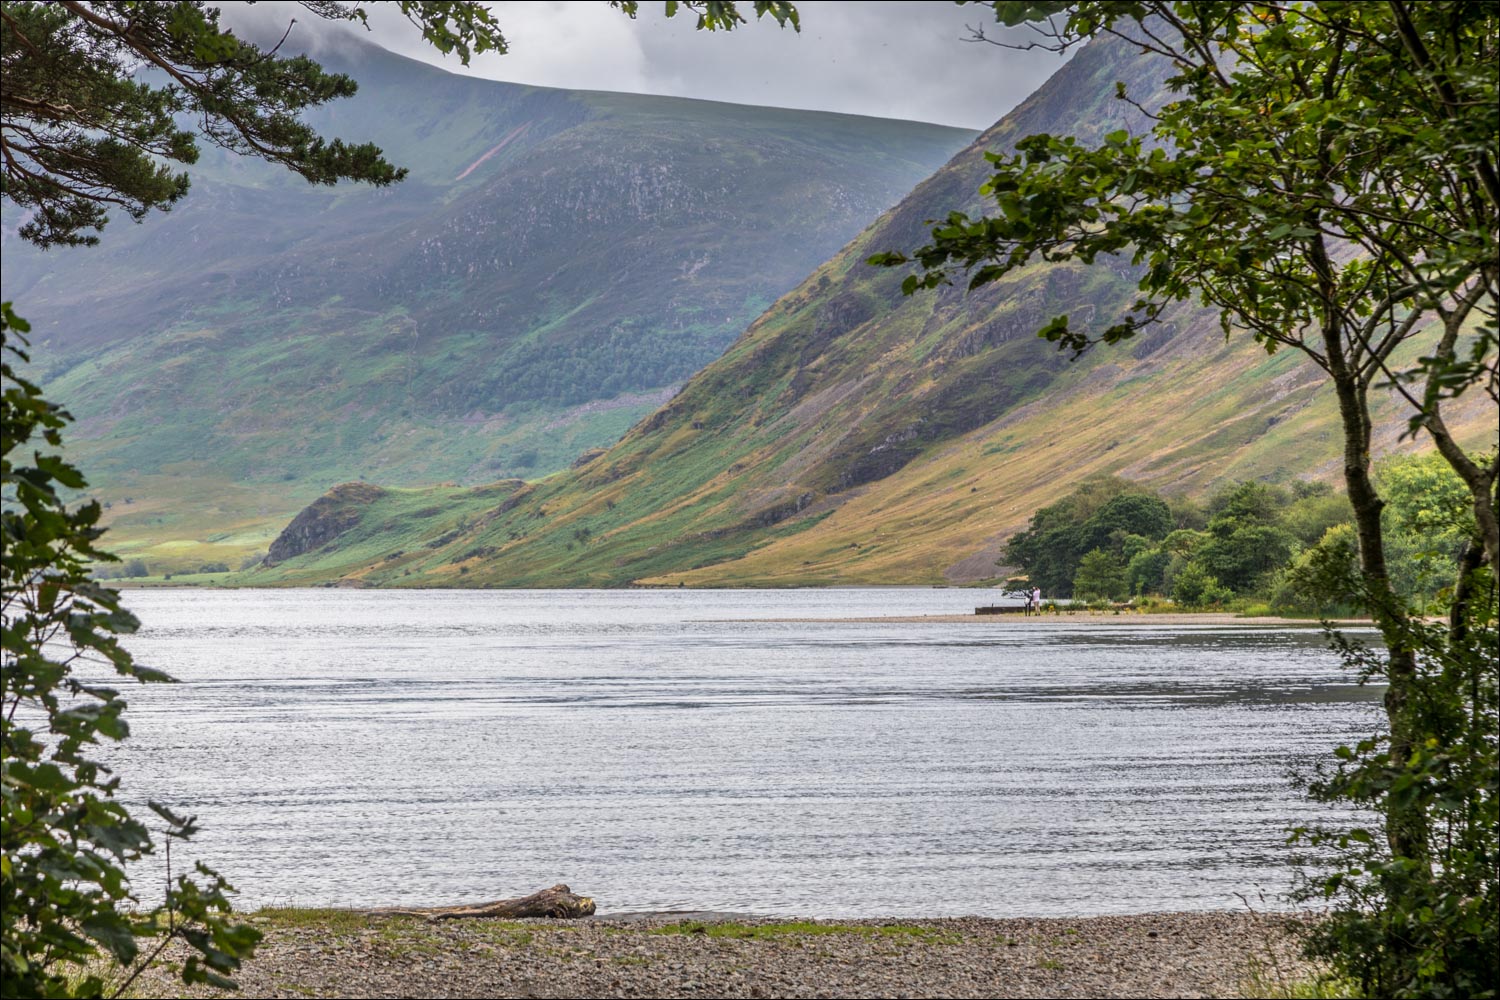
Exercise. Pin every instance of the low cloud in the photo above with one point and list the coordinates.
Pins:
(891, 60)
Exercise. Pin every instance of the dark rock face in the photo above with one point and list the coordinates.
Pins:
(327, 517)
(774, 515)
(587, 457)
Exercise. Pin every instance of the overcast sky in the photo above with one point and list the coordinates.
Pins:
(891, 59)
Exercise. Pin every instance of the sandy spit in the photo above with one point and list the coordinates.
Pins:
(332, 954)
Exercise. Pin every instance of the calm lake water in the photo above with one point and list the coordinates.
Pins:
(365, 748)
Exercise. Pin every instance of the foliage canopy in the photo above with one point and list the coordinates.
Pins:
(63, 886)
(1322, 176)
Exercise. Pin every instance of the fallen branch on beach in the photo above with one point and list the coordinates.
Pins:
(558, 902)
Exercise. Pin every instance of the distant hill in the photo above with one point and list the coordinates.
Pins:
(557, 264)
(853, 435)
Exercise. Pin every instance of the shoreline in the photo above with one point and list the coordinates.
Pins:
(1064, 617)
(344, 953)
(1076, 618)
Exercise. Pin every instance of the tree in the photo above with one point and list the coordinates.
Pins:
(1115, 518)
(1246, 540)
(82, 132)
(1426, 499)
(1325, 182)
(1302, 184)
(1420, 927)
(1317, 578)
(1100, 574)
(1058, 536)
(1429, 524)
(1127, 514)
(1322, 175)
(1311, 515)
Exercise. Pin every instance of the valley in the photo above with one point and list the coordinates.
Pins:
(554, 266)
(854, 435)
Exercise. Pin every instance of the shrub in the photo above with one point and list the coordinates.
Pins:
(64, 893)
(1195, 587)
(1429, 925)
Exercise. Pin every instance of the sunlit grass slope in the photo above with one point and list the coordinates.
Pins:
(853, 435)
(557, 263)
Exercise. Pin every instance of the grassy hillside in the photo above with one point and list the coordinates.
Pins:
(853, 435)
(556, 265)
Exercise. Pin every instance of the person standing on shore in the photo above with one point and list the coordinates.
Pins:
(1036, 599)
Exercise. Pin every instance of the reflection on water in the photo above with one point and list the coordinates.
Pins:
(347, 747)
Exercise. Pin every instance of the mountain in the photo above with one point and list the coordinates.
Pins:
(555, 266)
(855, 435)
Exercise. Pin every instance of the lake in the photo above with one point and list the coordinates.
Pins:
(660, 750)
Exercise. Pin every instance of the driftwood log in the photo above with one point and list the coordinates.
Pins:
(558, 902)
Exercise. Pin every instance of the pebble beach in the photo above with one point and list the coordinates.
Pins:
(324, 953)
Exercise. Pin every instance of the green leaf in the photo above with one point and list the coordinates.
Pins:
(113, 931)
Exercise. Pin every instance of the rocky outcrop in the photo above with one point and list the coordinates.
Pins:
(326, 518)
(587, 457)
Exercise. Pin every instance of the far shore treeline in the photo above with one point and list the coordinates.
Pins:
(1250, 546)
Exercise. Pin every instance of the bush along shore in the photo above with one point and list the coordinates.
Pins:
(344, 953)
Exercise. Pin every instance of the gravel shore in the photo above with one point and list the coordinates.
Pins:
(326, 953)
